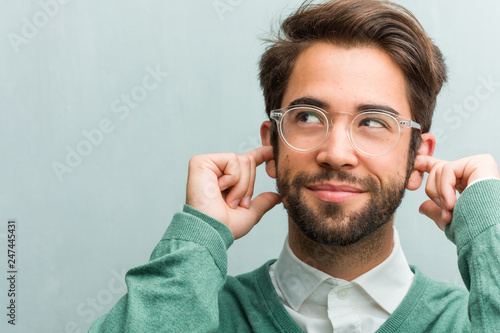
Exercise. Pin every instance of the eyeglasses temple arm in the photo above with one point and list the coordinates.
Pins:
(411, 124)
(275, 114)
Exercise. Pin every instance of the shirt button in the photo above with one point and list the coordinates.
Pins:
(342, 294)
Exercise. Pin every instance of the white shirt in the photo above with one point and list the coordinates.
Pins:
(318, 302)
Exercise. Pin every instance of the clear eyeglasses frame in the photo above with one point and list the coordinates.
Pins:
(372, 132)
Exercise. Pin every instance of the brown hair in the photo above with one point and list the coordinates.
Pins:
(354, 23)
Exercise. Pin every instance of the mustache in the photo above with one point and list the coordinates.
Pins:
(366, 183)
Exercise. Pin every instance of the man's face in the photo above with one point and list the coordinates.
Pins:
(335, 194)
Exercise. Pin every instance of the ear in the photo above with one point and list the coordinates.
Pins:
(265, 136)
(426, 148)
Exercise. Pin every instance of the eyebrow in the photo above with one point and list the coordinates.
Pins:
(325, 106)
(386, 108)
(310, 101)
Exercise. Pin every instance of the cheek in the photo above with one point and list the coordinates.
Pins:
(283, 164)
(295, 162)
(385, 169)
(395, 163)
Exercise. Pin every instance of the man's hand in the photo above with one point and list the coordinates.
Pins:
(221, 186)
(447, 177)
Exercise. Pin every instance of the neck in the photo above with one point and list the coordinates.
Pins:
(343, 262)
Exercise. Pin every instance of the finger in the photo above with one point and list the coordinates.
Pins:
(229, 170)
(431, 189)
(263, 203)
(442, 187)
(446, 216)
(448, 183)
(425, 163)
(438, 169)
(241, 175)
(251, 185)
(258, 207)
(256, 157)
(261, 154)
(240, 188)
(469, 169)
(434, 212)
(443, 179)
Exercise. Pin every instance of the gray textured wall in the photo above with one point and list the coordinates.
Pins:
(87, 210)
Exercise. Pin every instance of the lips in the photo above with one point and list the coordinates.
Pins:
(334, 193)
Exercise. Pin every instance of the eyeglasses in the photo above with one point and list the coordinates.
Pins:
(372, 132)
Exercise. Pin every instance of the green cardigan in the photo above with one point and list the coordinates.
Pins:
(184, 286)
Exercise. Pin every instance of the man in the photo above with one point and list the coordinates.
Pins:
(350, 88)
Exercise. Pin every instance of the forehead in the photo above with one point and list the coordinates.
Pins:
(345, 79)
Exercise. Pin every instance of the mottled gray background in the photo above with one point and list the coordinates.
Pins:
(66, 68)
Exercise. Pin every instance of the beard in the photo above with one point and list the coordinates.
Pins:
(330, 224)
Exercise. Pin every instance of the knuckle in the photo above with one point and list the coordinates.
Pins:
(489, 158)
(195, 160)
(486, 156)
(438, 171)
(442, 165)
(429, 189)
(246, 159)
(447, 169)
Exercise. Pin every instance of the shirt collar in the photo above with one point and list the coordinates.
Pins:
(387, 283)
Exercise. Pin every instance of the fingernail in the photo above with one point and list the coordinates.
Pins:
(234, 204)
(246, 202)
(443, 214)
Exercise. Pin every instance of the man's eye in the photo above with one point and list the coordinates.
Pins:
(373, 123)
(308, 117)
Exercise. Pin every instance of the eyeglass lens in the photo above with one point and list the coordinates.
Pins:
(373, 133)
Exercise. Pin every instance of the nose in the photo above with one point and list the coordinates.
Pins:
(337, 151)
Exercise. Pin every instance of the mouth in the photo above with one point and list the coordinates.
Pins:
(335, 193)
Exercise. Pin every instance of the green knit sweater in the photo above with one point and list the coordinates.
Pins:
(184, 286)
